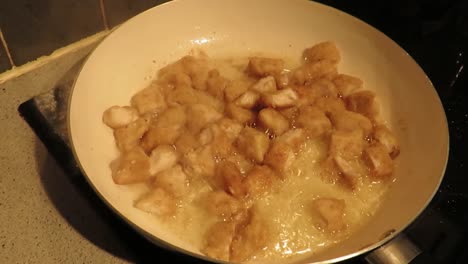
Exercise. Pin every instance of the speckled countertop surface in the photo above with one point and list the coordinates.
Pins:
(38, 225)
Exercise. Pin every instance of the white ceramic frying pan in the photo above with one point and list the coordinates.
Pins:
(127, 59)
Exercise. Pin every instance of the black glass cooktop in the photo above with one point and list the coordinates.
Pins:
(435, 34)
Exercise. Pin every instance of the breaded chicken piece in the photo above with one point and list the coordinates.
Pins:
(253, 143)
(248, 99)
(180, 96)
(281, 98)
(232, 178)
(263, 67)
(200, 162)
(234, 89)
(250, 237)
(350, 169)
(347, 84)
(384, 136)
(218, 239)
(129, 136)
(378, 160)
(265, 85)
(331, 211)
(119, 116)
(346, 143)
(200, 116)
(166, 129)
(131, 167)
(215, 84)
(221, 204)
(197, 69)
(186, 142)
(174, 79)
(231, 127)
(349, 121)
(162, 158)
(273, 121)
(149, 100)
(330, 104)
(259, 180)
(312, 71)
(290, 112)
(313, 120)
(241, 162)
(241, 115)
(363, 102)
(219, 140)
(173, 180)
(280, 157)
(158, 202)
(323, 87)
(294, 138)
(322, 51)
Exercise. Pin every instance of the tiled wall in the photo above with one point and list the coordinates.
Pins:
(33, 28)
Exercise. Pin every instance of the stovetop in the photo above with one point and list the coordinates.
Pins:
(435, 34)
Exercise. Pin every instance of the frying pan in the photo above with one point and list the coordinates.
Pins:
(128, 58)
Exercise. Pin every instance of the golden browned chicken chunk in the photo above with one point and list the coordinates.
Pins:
(241, 162)
(241, 115)
(332, 211)
(253, 143)
(215, 84)
(348, 121)
(129, 136)
(250, 237)
(280, 156)
(218, 240)
(263, 67)
(232, 178)
(173, 180)
(230, 127)
(248, 99)
(273, 121)
(346, 143)
(265, 85)
(201, 115)
(149, 100)
(119, 116)
(221, 204)
(132, 166)
(330, 104)
(379, 160)
(323, 87)
(363, 102)
(347, 84)
(162, 157)
(384, 136)
(200, 162)
(281, 98)
(186, 142)
(312, 71)
(313, 120)
(234, 89)
(295, 138)
(259, 180)
(158, 202)
(322, 51)
(165, 129)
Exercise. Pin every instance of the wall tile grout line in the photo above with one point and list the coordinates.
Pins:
(103, 14)
(5, 46)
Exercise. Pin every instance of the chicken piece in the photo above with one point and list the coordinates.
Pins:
(197, 69)
(204, 98)
(215, 84)
(265, 85)
(348, 121)
(181, 95)
(230, 127)
(119, 116)
(313, 120)
(131, 167)
(323, 87)
(234, 89)
(273, 121)
(294, 138)
(221, 204)
(347, 84)
(330, 104)
(200, 116)
(219, 140)
(241, 115)
(232, 179)
(253, 143)
(311, 71)
(149, 100)
(247, 100)
(241, 162)
(348, 144)
(158, 202)
(350, 169)
(206, 136)
(331, 210)
(280, 157)
(282, 98)
(129, 136)
(263, 67)
(363, 102)
(322, 51)
(290, 113)
(384, 136)
(250, 238)
(173, 180)
(186, 142)
(218, 240)
(379, 160)
(259, 180)
(200, 162)
(283, 79)
(162, 158)
(174, 79)
(166, 129)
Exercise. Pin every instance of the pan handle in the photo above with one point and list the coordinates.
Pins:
(399, 250)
